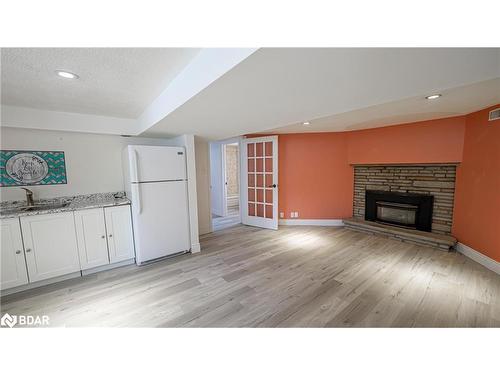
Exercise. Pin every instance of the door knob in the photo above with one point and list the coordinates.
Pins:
(18, 252)
(103, 236)
(28, 250)
(273, 185)
(111, 235)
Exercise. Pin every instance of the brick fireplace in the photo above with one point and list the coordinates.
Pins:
(429, 179)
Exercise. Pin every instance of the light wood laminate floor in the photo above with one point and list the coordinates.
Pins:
(293, 277)
(224, 222)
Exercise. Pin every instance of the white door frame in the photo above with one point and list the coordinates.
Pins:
(223, 176)
(255, 220)
(224, 179)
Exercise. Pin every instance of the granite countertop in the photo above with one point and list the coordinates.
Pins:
(12, 209)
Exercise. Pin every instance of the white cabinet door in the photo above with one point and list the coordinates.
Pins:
(50, 245)
(13, 264)
(91, 236)
(119, 230)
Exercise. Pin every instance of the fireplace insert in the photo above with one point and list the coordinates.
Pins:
(405, 210)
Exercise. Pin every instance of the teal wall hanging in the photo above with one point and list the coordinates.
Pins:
(23, 168)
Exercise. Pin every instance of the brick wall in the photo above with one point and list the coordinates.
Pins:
(437, 180)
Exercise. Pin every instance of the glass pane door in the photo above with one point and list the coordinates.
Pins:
(261, 178)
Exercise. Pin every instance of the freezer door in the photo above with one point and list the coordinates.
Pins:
(160, 218)
(156, 163)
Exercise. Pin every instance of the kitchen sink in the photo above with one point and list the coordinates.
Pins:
(36, 207)
(43, 207)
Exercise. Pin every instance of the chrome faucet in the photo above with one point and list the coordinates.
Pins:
(29, 197)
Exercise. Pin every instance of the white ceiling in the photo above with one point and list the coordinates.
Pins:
(222, 93)
(454, 102)
(118, 82)
(277, 87)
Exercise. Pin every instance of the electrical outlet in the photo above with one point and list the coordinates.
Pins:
(282, 215)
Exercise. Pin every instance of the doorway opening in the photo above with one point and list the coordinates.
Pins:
(225, 184)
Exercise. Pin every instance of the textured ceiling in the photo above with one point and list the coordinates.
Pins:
(270, 90)
(454, 102)
(118, 82)
(278, 87)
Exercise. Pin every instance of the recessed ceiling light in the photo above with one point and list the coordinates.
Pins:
(65, 74)
(306, 123)
(433, 96)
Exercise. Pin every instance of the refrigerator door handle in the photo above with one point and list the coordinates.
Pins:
(138, 197)
(135, 166)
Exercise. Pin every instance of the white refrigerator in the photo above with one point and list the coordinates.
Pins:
(156, 183)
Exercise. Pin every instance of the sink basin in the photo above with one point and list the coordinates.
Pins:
(37, 207)
(40, 207)
(10, 211)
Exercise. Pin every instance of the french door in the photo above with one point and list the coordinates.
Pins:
(259, 182)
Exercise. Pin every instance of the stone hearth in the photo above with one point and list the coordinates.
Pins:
(437, 180)
(437, 241)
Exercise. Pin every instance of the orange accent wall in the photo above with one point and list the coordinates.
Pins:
(315, 178)
(436, 141)
(316, 175)
(476, 217)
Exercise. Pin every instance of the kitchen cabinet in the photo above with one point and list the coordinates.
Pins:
(50, 245)
(119, 232)
(91, 238)
(44, 246)
(13, 264)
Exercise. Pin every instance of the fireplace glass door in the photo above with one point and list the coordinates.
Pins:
(397, 213)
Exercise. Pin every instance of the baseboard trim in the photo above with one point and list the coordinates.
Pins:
(195, 248)
(107, 267)
(476, 256)
(38, 284)
(316, 222)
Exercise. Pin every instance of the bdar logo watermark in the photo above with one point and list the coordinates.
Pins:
(23, 320)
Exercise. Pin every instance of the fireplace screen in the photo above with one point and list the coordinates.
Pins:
(409, 210)
(397, 213)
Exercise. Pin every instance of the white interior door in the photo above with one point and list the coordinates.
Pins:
(216, 179)
(259, 182)
(224, 181)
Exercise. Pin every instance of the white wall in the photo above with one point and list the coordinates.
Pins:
(32, 118)
(216, 193)
(203, 185)
(188, 142)
(93, 162)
